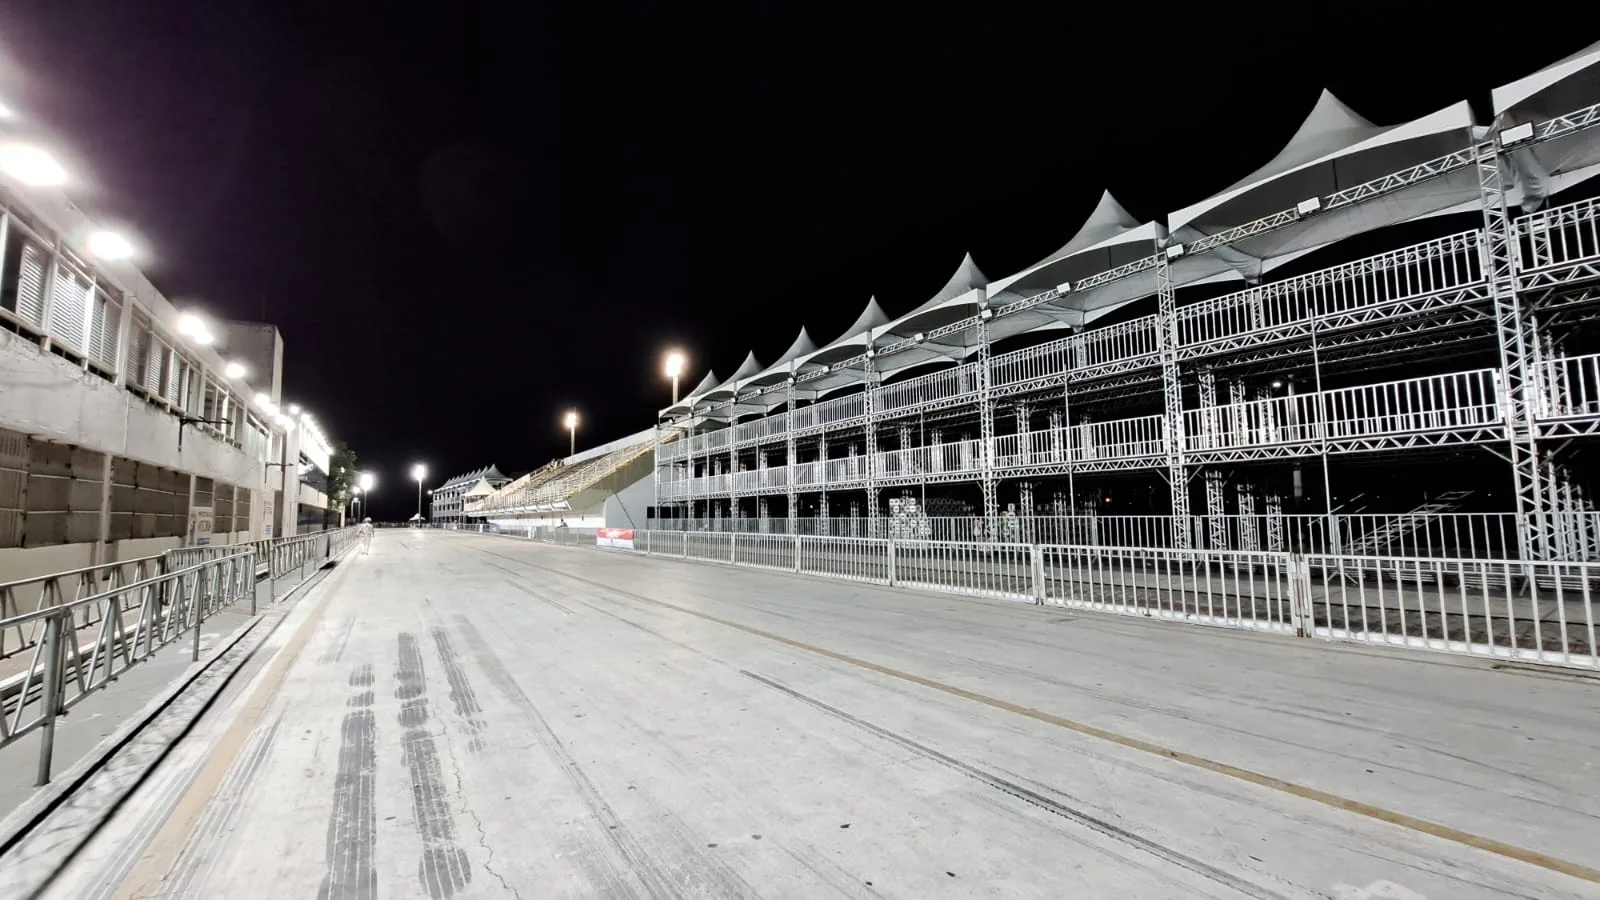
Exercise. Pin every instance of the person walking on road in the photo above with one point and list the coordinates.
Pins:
(364, 532)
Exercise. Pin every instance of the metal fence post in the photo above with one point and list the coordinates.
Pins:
(197, 603)
(797, 553)
(892, 578)
(1036, 558)
(50, 697)
(1300, 613)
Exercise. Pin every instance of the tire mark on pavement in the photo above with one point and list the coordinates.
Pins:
(1331, 800)
(1101, 826)
(462, 695)
(516, 581)
(353, 827)
(443, 868)
(336, 651)
(654, 882)
(189, 875)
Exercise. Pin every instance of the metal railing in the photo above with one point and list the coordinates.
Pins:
(164, 608)
(1468, 535)
(1543, 613)
(75, 629)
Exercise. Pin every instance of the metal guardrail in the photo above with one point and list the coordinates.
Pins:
(1534, 612)
(167, 597)
(165, 608)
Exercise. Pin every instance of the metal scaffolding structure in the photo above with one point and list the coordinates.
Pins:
(1182, 393)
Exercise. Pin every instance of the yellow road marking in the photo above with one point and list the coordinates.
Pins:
(157, 860)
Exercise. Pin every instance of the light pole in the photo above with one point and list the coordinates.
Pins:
(674, 367)
(419, 472)
(572, 432)
(364, 485)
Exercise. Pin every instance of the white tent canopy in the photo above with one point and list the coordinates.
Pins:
(1109, 238)
(687, 404)
(779, 370)
(1333, 149)
(852, 342)
(749, 367)
(962, 290)
(1557, 89)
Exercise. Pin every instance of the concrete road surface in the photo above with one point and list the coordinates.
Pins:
(465, 716)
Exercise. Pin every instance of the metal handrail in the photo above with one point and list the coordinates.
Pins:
(170, 605)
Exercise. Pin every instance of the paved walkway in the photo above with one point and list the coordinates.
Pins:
(466, 716)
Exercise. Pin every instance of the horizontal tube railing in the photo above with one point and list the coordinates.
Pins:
(164, 608)
(1414, 534)
(1535, 612)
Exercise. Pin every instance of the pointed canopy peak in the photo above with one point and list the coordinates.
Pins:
(801, 346)
(871, 317)
(706, 384)
(1108, 220)
(1330, 125)
(749, 367)
(1109, 213)
(967, 277)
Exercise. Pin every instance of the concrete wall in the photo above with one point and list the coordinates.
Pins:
(48, 396)
(259, 346)
(629, 507)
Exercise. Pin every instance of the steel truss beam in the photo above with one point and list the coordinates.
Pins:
(991, 501)
(1517, 338)
(1485, 434)
(1172, 399)
(869, 375)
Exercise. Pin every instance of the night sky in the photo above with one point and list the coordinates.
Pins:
(468, 217)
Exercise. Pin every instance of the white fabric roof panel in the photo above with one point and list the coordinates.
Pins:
(957, 292)
(1110, 237)
(851, 343)
(1333, 149)
(750, 366)
(686, 404)
(779, 370)
(1557, 89)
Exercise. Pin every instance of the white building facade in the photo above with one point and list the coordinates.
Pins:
(127, 427)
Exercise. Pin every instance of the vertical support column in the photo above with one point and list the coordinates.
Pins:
(869, 398)
(1244, 491)
(102, 543)
(986, 476)
(655, 487)
(822, 504)
(761, 486)
(1517, 336)
(1216, 503)
(1172, 395)
(1025, 510)
(792, 506)
(733, 467)
(1069, 452)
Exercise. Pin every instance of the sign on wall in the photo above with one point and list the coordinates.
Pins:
(202, 521)
(614, 537)
(266, 518)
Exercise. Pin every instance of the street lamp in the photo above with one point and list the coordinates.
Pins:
(419, 472)
(572, 432)
(363, 490)
(674, 367)
(31, 166)
(109, 245)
